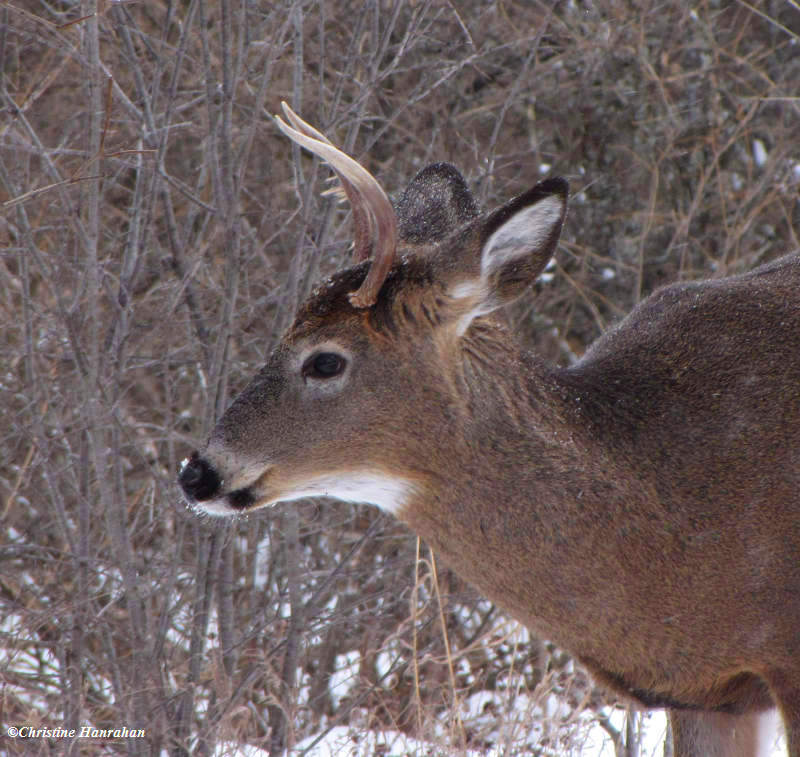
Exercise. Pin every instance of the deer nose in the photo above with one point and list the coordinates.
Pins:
(198, 479)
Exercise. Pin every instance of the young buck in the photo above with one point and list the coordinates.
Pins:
(640, 508)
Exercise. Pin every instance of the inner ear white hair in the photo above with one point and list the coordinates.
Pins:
(507, 251)
(526, 230)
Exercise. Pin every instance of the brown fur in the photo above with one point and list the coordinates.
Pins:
(640, 508)
(714, 734)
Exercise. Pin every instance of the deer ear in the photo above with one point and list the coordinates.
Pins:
(520, 238)
(436, 202)
(516, 242)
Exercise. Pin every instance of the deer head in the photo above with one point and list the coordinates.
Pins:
(330, 412)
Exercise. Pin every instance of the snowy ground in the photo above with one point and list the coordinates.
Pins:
(344, 741)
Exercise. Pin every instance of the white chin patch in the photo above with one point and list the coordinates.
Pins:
(390, 493)
(218, 508)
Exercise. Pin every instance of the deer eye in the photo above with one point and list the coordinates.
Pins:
(324, 365)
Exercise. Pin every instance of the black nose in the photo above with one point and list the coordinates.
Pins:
(198, 479)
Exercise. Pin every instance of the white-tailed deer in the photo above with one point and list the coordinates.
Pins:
(641, 508)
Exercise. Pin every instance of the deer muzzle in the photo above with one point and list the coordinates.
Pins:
(199, 480)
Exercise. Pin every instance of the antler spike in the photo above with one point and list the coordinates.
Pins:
(373, 215)
(362, 221)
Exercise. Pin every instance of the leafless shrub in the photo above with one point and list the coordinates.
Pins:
(157, 234)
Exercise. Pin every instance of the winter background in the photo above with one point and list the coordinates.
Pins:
(157, 234)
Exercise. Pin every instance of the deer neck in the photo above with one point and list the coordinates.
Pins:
(518, 487)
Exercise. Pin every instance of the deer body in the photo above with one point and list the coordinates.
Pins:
(640, 508)
(655, 517)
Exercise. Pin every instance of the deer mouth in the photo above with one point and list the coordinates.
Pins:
(204, 489)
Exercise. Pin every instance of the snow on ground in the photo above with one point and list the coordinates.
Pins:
(344, 741)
